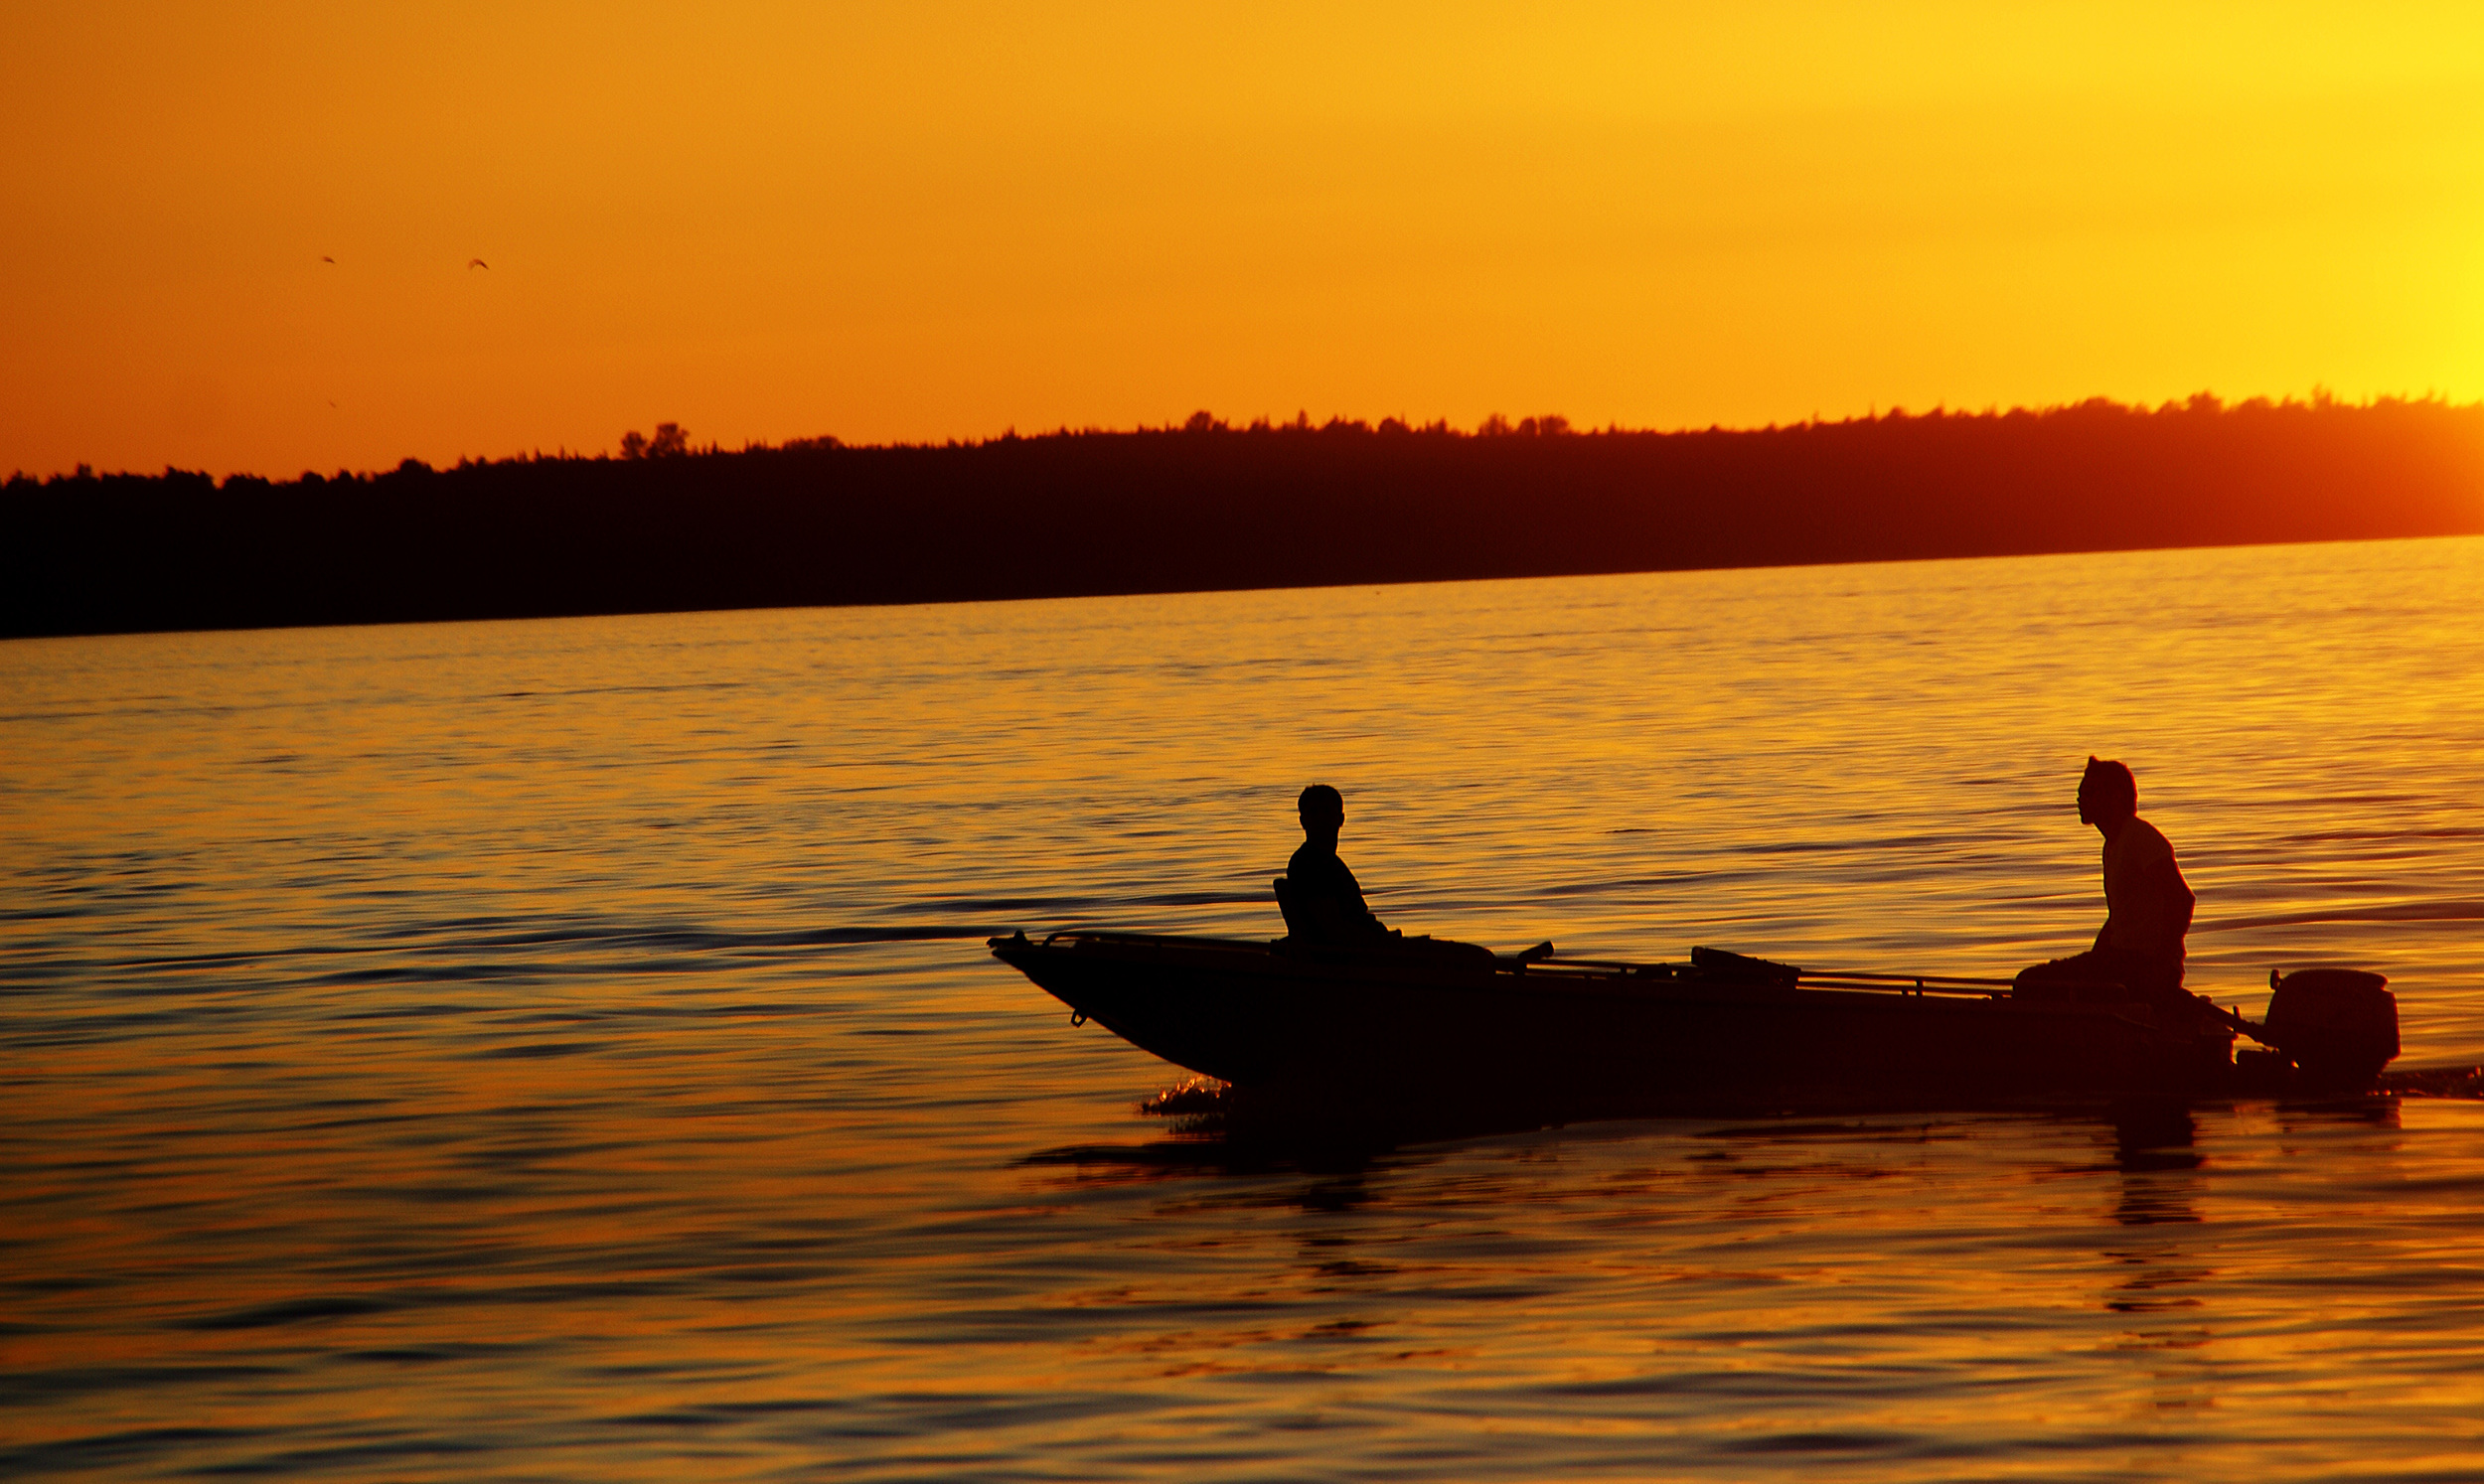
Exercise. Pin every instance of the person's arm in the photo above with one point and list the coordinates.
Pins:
(1358, 915)
(1324, 893)
(2166, 903)
(2154, 912)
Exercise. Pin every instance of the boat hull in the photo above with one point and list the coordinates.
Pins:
(1607, 1040)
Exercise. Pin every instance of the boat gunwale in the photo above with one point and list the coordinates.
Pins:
(1583, 977)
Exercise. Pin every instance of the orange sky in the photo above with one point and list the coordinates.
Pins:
(775, 220)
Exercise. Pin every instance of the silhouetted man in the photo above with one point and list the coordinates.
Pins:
(1323, 901)
(2147, 904)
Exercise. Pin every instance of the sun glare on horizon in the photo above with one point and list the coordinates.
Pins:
(313, 238)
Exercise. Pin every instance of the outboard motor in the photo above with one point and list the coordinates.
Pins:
(2340, 1025)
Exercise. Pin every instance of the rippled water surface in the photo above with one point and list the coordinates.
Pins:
(566, 1050)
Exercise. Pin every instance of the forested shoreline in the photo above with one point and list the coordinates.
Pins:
(1207, 506)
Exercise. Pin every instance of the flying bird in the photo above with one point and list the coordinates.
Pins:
(325, 258)
(476, 262)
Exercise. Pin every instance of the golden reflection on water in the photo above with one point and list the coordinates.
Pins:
(469, 1037)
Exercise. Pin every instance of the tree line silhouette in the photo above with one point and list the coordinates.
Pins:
(1206, 505)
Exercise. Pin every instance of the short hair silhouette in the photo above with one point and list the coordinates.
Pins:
(2114, 788)
(1320, 800)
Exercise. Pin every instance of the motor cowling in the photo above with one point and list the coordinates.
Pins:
(2340, 1025)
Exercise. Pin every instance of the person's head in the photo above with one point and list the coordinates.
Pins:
(1322, 809)
(2107, 793)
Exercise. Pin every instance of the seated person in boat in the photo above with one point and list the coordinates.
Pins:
(1321, 900)
(2147, 904)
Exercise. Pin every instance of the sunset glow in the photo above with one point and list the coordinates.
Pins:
(772, 220)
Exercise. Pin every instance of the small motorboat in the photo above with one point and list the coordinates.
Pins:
(1419, 1023)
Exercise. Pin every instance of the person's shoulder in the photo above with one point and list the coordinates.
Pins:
(2145, 841)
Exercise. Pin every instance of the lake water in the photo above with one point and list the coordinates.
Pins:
(567, 1050)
